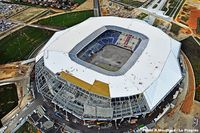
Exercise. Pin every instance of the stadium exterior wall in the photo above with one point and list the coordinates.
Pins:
(87, 105)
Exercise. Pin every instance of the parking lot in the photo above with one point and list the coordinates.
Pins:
(5, 25)
(8, 10)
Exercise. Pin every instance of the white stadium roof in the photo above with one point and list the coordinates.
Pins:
(155, 72)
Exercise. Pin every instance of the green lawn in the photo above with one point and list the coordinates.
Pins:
(184, 18)
(19, 45)
(142, 16)
(66, 20)
(132, 3)
(175, 28)
(27, 128)
(197, 95)
(79, 1)
(198, 25)
(192, 50)
(8, 99)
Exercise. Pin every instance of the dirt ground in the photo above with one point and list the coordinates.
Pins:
(112, 57)
(87, 5)
(187, 121)
(187, 104)
(109, 8)
(12, 70)
(188, 15)
(28, 14)
(182, 121)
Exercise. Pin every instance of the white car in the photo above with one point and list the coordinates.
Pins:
(3, 129)
(12, 117)
(20, 119)
(29, 102)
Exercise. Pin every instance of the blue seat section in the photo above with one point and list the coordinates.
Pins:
(107, 37)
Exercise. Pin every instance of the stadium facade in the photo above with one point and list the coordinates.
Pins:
(108, 68)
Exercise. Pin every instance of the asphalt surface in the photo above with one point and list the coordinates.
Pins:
(96, 8)
(35, 26)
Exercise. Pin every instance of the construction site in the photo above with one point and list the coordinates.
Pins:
(14, 79)
(184, 114)
(12, 70)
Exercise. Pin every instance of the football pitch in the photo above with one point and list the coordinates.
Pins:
(20, 44)
(111, 57)
(8, 99)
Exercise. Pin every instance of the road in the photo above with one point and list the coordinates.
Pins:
(35, 26)
(11, 80)
(97, 11)
(30, 60)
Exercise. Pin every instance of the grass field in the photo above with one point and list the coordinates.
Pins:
(132, 3)
(175, 28)
(66, 20)
(142, 16)
(191, 49)
(19, 45)
(198, 25)
(197, 94)
(27, 128)
(8, 99)
(79, 1)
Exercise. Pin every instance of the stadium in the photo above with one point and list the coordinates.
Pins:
(108, 68)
